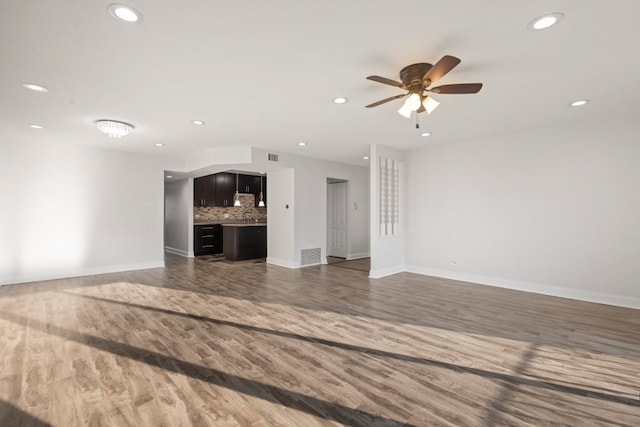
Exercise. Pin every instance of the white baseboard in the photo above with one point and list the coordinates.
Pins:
(188, 254)
(64, 274)
(383, 272)
(282, 262)
(358, 256)
(310, 265)
(575, 294)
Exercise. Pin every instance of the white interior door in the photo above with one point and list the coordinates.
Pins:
(337, 219)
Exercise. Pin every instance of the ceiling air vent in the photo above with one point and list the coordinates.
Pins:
(273, 157)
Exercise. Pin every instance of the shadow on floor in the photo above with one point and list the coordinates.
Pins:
(297, 401)
(13, 416)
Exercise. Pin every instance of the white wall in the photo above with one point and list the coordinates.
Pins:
(72, 210)
(202, 159)
(178, 211)
(311, 206)
(310, 203)
(387, 252)
(280, 219)
(554, 210)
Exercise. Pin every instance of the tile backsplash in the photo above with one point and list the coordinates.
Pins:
(246, 211)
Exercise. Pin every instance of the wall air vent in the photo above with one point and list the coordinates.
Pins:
(273, 157)
(310, 256)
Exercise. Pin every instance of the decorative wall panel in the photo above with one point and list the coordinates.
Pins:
(389, 172)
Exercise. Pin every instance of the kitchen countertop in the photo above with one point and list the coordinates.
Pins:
(246, 224)
(226, 222)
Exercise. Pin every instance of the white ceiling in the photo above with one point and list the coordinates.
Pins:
(264, 73)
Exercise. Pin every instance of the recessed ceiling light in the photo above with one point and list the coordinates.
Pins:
(114, 129)
(159, 144)
(340, 100)
(197, 122)
(34, 87)
(545, 21)
(425, 134)
(124, 13)
(169, 176)
(36, 126)
(365, 158)
(302, 144)
(579, 102)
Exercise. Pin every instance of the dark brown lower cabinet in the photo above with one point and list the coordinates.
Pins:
(207, 239)
(245, 242)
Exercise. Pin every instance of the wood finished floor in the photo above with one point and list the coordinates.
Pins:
(362, 264)
(215, 344)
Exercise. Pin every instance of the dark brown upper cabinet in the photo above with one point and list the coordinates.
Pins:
(225, 184)
(249, 184)
(219, 189)
(204, 191)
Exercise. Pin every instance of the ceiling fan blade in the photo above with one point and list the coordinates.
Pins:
(458, 88)
(442, 67)
(375, 104)
(386, 81)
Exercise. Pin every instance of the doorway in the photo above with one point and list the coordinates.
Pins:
(337, 222)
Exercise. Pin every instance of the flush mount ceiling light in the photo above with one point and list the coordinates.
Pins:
(302, 144)
(36, 126)
(579, 102)
(340, 100)
(34, 87)
(124, 13)
(169, 176)
(545, 21)
(159, 144)
(197, 122)
(114, 129)
(425, 134)
(365, 158)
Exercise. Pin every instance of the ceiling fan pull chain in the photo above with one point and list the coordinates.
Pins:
(417, 120)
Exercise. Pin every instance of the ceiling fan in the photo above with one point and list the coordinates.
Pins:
(416, 79)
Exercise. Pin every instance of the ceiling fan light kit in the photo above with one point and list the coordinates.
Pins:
(430, 104)
(405, 112)
(416, 79)
(413, 102)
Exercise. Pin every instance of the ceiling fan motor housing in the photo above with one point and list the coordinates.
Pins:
(413, 74)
